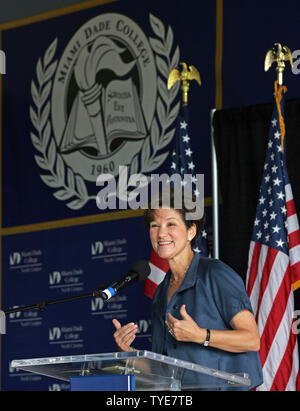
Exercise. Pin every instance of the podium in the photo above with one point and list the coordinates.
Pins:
(145, 369)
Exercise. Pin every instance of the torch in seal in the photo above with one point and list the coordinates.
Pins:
(103, 54)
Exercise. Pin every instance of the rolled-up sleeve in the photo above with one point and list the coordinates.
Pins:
(228, 291)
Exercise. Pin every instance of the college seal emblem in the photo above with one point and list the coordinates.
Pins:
(103, 103)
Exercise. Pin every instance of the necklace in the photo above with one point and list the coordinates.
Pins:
(173, 281)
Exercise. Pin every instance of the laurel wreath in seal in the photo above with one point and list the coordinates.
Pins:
(71, 186)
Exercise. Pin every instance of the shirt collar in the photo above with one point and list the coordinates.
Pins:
(190, 277)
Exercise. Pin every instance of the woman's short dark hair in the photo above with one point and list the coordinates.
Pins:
(183, 211)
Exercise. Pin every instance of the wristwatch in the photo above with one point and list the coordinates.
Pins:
(207, 339)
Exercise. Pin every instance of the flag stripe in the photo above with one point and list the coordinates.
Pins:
(280, 265)
(254, 258)
(295, 255)
(149, 287)
(157, 274)
(272, 318)
(278, 345)
(284, 371)
(292, 223)
(266, 272)
(256, 288)
(158, 267)
(159, 262)
(294, 239)
(288, 192)
(290, 207)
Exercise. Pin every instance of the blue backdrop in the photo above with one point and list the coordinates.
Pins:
(59, 263)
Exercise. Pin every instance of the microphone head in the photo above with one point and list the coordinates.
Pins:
(141, 268)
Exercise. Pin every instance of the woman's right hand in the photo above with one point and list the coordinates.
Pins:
(124, 335)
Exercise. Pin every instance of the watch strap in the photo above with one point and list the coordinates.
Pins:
(207, 339)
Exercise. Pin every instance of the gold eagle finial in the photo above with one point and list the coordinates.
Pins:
(280, 56)
(185, 76)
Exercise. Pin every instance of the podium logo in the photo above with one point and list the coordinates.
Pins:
(54, 278)
(54, 334)
(54, 387)
(14, 258)
(59, 387)
(97, 248)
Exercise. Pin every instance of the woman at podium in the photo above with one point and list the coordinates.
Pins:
(200, 312)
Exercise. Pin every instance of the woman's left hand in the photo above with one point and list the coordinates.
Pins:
(186, 329)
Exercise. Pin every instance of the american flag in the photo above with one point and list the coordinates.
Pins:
(182, 163)
(274, 263)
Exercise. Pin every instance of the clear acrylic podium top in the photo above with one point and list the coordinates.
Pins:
(152, 371)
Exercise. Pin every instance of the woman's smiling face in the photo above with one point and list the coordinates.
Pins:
(168, 233)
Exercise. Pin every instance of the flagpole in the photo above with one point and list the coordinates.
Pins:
(215, 190)
(182, 162)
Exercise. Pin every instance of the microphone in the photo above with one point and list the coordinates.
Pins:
(138, 271)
